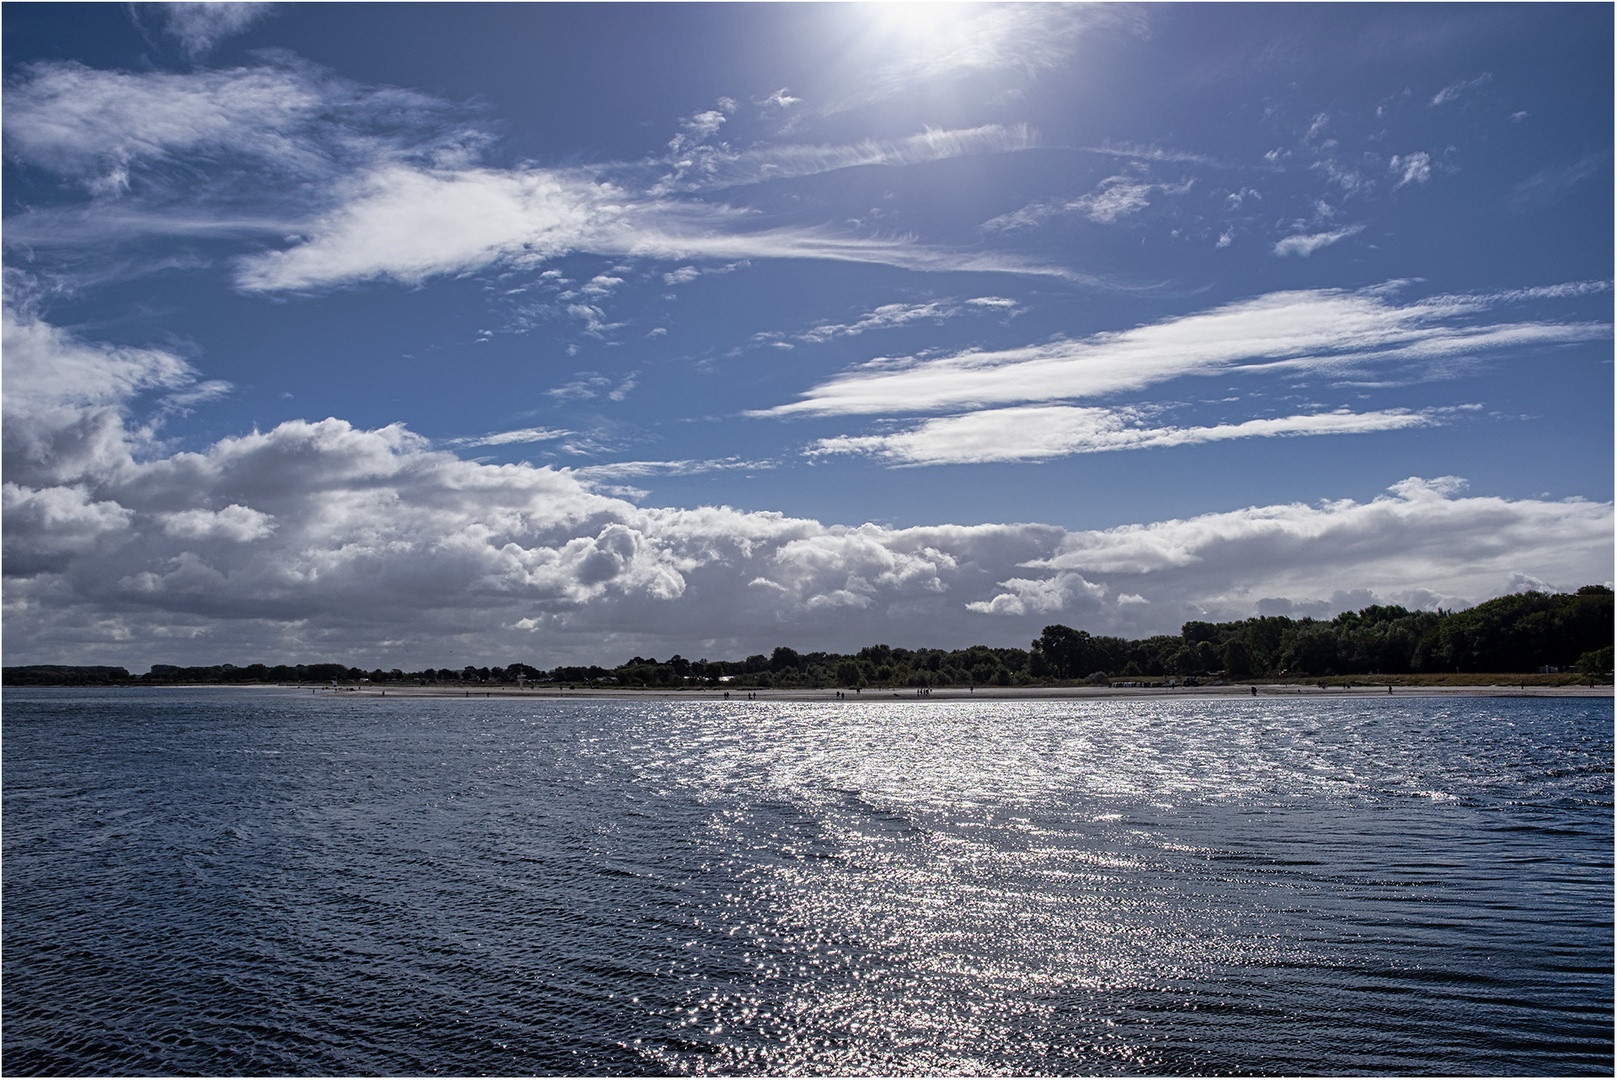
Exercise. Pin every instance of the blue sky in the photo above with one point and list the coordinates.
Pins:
(418, 334)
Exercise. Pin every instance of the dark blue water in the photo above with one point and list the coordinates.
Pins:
(231, 882)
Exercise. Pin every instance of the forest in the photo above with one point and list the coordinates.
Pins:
(1516, 634)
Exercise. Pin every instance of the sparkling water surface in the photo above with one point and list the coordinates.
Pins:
(277, 882)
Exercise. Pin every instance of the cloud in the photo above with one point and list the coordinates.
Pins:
(286, 116)
(508, 438)
(887, 316)
(1136, 152)
(236, 523)
(1120, 196)
(1553, 183)
(1423, 543)
(1115, 198)
(320, 540)
(1319, 331)
(201, 26)
(588, 384)
(703, 167)
(66, 402)
(1413, 168)
(1306, 244)
(408, 224)
(625, 470)
(1454, 90)
(391, 185)
(1039, 433)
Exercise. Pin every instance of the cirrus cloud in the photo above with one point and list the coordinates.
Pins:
(1039, 433)
(1320, 331)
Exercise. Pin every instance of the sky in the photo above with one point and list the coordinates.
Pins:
(412, 335)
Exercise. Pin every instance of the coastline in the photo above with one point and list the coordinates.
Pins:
(998, 693)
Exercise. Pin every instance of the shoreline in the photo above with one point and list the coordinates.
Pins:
(998, 693)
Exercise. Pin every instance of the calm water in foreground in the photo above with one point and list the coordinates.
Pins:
(231, 882)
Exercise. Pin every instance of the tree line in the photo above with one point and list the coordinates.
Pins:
(1520, 633)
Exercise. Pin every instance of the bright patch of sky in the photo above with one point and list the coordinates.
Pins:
(421, 335)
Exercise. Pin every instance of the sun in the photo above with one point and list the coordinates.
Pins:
(922, 25)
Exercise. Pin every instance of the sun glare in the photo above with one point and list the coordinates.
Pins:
(921, 25)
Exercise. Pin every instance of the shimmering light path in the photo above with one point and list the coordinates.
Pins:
(273, 882)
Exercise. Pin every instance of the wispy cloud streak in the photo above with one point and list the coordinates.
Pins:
(1040, 433)
(1323, 331)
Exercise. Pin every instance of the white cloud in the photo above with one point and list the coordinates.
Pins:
(1152, 153)
(1306, 244)
(409, 224)
(392, 185)
(1120, 196)
(706, 123)
(1454, 90)
(601, 285)
(321, 540)
(699, 168)
(623, 470)
(508, 438)
(1322, 331)
(1039, 433)
(887, 316)
(286, 116)
(1422, 543)
(589, 384)
(237, 523)
(200, 26)
(1413, 168)
(1115, 198)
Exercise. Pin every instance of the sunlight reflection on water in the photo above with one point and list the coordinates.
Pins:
(618, 887)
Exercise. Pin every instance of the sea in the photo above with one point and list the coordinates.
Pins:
(277, 882)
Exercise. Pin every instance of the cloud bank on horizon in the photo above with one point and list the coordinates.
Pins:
(906, 329)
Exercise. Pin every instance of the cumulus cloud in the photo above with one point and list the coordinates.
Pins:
(1423, 535)
(1319, 331)
(1039, 433)
(237, 523)
(1423, 542)
(1305, 244)
(317, 539)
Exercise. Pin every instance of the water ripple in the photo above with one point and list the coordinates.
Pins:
(232, 882)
